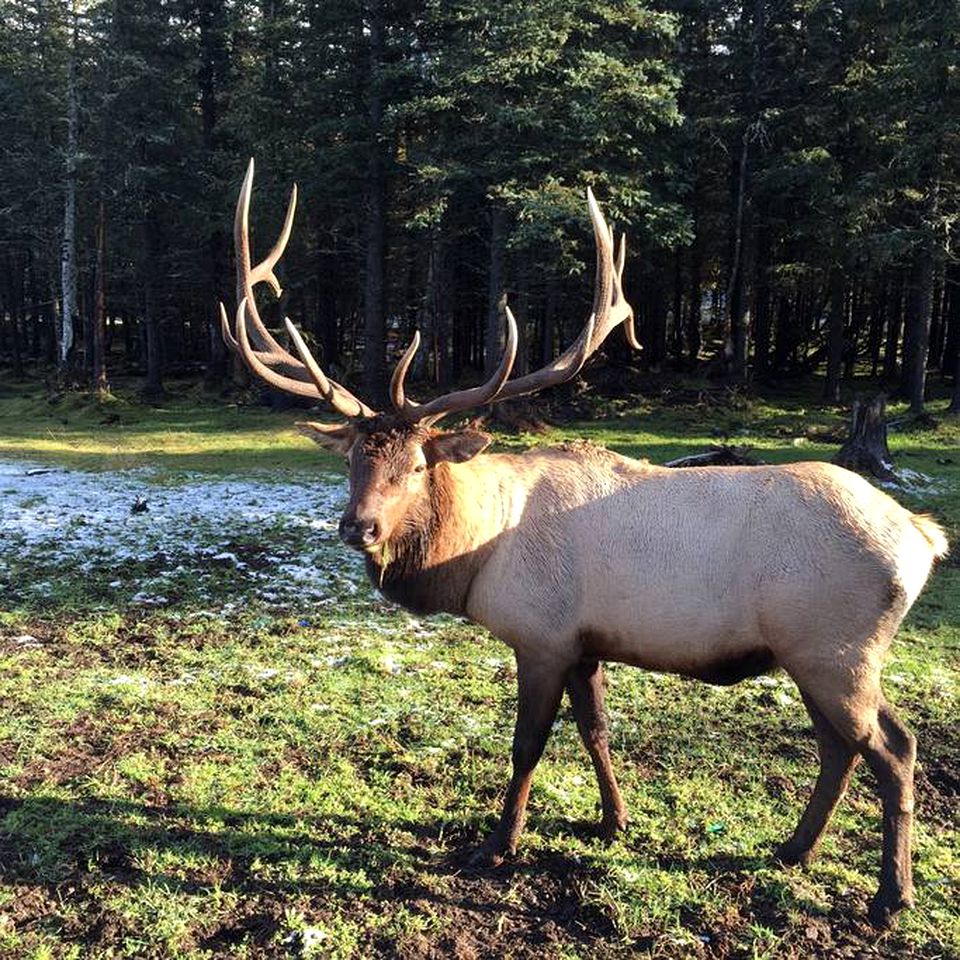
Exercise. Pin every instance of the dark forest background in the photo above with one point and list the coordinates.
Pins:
(787, 172)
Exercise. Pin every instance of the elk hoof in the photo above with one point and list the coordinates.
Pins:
(791, 855)
(486, 856)
(884, 908)
(612, 826)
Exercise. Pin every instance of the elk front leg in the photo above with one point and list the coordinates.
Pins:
(585, 687)
(539, 688)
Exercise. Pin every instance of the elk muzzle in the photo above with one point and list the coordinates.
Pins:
(358, 532)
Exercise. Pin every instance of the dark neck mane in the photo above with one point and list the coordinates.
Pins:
(419, 574)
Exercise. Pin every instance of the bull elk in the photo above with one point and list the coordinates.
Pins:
(573, 555)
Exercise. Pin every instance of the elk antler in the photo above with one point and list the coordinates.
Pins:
(304, 377)
(610, 308)
(259, 349)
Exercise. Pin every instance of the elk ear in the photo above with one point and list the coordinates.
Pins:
(336, 437)
(456, 447)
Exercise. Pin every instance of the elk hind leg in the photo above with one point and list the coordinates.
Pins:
(869, 724)
(837, 762)
(585, 687)
(539, 689)
(891, 752)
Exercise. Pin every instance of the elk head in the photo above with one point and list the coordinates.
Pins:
(392, 455)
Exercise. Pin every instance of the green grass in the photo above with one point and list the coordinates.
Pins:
(194, 431)
(269, 781)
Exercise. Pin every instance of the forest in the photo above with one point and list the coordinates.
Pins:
(787, 172)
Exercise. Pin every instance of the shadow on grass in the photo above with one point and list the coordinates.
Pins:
(344, 866)
(46, 839)
(266, 859)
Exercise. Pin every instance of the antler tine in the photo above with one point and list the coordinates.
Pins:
(628, 329)
(264, 270)
(605, 272)
(228, 337)
(249, 276)
(430, 413)
(265, 356)
(397, 395)
(340, 398)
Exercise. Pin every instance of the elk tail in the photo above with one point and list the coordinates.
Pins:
(932, 533)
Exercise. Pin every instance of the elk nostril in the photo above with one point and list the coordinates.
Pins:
(349, 529)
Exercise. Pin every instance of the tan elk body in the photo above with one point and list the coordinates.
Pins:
(573, 555)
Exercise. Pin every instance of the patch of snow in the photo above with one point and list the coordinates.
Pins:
(391, 666)
(329, 661)
(126, 680)
(916, 483)
(206, 538)
(267, 673)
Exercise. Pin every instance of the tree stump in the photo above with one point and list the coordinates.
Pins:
(865, 450)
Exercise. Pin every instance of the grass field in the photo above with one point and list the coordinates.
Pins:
(217, 741)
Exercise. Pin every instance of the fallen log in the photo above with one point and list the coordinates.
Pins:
(718, 456)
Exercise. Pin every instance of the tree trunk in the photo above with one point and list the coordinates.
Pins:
(655, 328)
(954, 407)
(51, 327)
(693, 306)
(937, 320)
(15, 310)
(68, 250)
(917, 341)
(831, 390)
(851, 342)
(493, 333)
(153, 391)
(677, 329)
(951, 353)
(761, 309)
(374, 309)
(549, 329)
(98, 338)
(877, 320)
(951, 312)
(783, 331)
(36, 328)
(735, 348)
(735, 342)
(212, 59)
(894, 325)
(430, 360)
